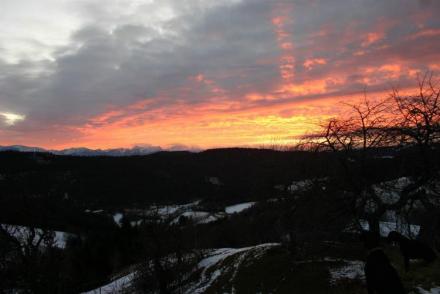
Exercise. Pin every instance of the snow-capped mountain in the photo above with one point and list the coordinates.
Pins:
(137, 150)
(108, 152)
(20, 148)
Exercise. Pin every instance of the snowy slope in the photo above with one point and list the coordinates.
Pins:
(211, 268)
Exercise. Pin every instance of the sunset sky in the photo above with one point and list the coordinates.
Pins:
(205, 73)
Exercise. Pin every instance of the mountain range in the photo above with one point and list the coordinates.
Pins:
(82, 151)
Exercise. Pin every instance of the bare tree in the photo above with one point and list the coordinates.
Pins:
(23, 255)
(399, 120)
(362, 129)
(419, 122)
(419, 126)
(167, 256)
(352, 137)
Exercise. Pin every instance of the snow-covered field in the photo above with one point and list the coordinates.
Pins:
(175, 213)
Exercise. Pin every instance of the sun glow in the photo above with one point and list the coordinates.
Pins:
(11, 119)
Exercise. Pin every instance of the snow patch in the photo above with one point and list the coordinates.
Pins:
(214, 181)
(408, 230)
(237, 208)
(307, 184)
(168, 210)
(435, 290)
(352, 270)
(389, 192)
(117, 217)
(300, 186)
(115, 286)
(199, 217)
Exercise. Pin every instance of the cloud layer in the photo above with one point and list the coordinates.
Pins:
(198, 72)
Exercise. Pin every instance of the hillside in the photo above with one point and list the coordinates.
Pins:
(269, 268)
(218, 221)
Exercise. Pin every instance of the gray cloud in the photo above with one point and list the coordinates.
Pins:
(132, 61)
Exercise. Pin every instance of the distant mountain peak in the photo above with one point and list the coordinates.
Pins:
(21, 148)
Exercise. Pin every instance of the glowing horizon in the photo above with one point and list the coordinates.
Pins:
(199, 73)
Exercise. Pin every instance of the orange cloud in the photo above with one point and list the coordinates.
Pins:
(306, 88)
(201, 128)
(209, 84)
(280, 21)
(310, 63)
(218, 124)
(424, 33)
(372, 38)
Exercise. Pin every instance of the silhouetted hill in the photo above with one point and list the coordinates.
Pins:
(245, 174)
